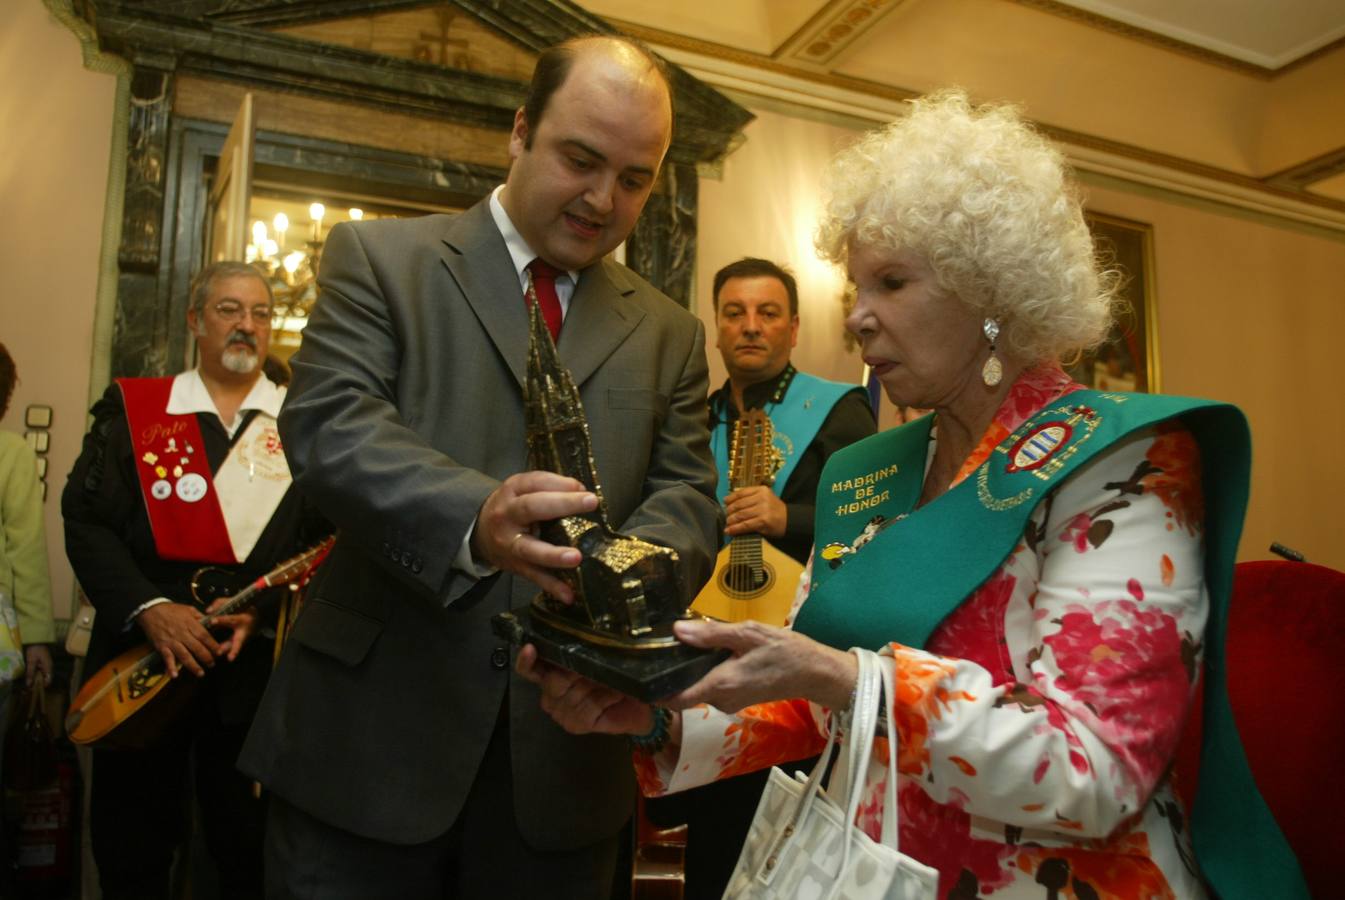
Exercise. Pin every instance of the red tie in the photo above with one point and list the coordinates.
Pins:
(544, 285)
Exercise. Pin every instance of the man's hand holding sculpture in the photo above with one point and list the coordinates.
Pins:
(505, 533)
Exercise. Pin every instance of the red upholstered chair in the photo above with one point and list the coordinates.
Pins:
(1286, 684)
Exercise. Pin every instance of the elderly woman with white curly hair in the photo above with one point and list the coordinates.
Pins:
(1045, 567)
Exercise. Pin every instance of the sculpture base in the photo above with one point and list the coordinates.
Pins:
(645, 674)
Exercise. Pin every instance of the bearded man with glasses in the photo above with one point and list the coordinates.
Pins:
(178, 473)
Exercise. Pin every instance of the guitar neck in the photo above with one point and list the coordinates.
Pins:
(745, 549)
(754, 463)
(238, 602)
(282, 574)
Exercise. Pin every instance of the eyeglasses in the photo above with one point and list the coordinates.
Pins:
(232, 313)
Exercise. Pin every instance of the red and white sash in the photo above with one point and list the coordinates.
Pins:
(196, 515)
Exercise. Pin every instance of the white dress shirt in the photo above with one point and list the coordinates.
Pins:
(189, 395)
(521, 254)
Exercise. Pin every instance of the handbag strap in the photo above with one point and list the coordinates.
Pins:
(805, 802)
(891, 813)
(874, 708)
(864, 726)
(37, 698)
(872, 686)
(842, 775)
(859, 746)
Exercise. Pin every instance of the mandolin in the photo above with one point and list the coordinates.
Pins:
(109, 709)
(753, 579)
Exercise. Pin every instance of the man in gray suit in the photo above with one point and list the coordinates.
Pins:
(404, 757)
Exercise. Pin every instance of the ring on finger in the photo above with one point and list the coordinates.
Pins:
(514, 541)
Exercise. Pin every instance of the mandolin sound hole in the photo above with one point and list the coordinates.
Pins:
(142, 680)
(743, 582)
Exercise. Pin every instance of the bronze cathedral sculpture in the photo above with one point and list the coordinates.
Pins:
(628, 592)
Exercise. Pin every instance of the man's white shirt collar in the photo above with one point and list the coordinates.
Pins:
(521, 254)
(189, 395)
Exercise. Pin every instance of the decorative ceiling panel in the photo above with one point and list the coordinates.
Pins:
(828, 35)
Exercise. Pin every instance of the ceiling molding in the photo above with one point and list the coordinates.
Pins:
(1282, 205)
(709, 49)
(755, 75)
(833, 29)
(818, 15)
(1320, 168)
(1324, 50)
(1174, 45)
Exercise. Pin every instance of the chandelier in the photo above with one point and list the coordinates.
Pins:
(291, 267)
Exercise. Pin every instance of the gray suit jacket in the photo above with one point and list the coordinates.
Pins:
(405, 412)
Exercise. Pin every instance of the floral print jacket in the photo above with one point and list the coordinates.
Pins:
(1037, 728)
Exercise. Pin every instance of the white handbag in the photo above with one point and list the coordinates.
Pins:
(803, 845)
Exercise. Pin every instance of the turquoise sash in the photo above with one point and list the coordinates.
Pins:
(928, 561)
(795, 421)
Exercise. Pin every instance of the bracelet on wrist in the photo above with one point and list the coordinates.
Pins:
(850, 704)
(658, 734)
(841, 716)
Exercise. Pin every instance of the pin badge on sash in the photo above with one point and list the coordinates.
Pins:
(835, 553)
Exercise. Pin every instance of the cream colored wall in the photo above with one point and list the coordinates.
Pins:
(56, 119)
(1250, 310)
(1253, 312)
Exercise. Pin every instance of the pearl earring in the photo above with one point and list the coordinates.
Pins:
(993, 370)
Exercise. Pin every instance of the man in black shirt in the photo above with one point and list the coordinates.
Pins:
(757, 313)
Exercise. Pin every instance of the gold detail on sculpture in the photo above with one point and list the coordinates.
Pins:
(627, 592)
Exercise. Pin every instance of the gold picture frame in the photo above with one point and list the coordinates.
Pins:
(1128, 359)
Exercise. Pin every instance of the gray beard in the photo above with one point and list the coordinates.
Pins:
(240, 360)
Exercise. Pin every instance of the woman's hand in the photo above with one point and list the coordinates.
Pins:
(580, 705)
(37, 659)
(768, 664)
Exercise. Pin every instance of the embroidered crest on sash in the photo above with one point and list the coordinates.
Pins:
(1037, 446)
(1046, 445)
(261, 453)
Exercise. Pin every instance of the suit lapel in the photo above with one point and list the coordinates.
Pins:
(479, 262)
(595, 325)
(598, 319)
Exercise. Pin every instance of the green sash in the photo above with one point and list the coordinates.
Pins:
(930, 560)
(795, 421)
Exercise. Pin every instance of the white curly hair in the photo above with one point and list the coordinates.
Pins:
(988, 202)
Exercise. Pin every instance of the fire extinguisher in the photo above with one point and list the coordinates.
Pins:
(42, 852)
(40, 792)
